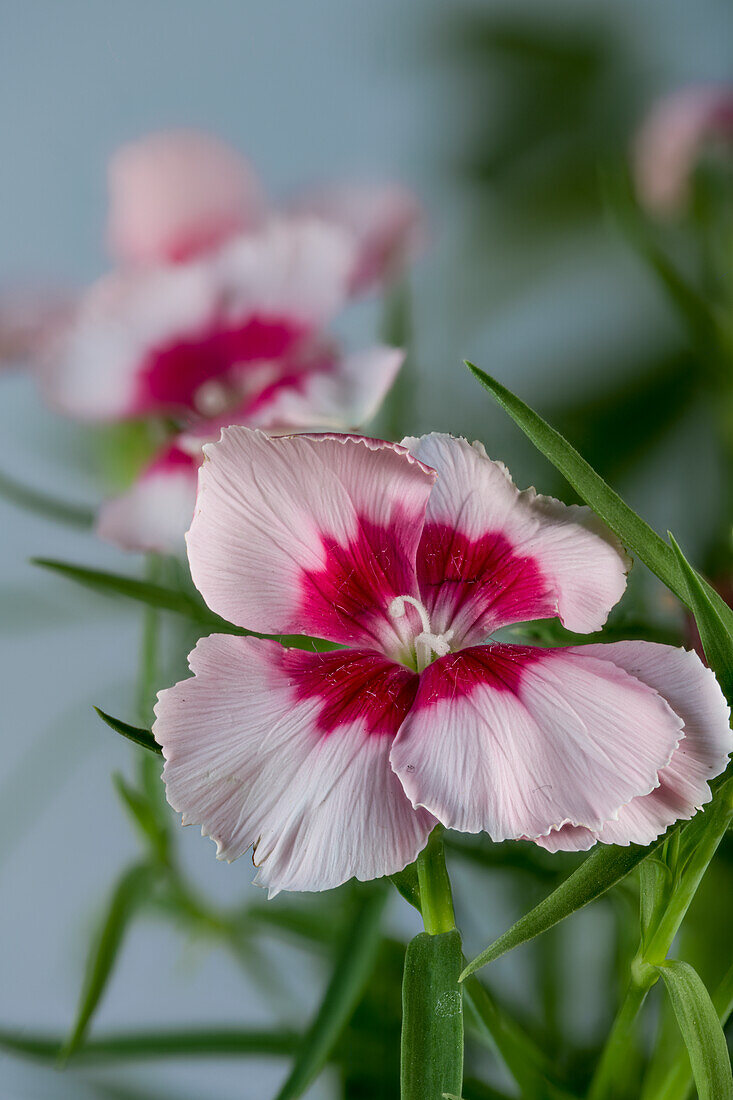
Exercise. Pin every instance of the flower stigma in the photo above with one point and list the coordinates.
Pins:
(427, 645)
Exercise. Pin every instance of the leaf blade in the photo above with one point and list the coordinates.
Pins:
(136, 734)
(701, 1030)
(633, 531)
(716, 640)
(126, 898)
(351, 972)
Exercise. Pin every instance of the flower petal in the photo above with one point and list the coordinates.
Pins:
(385, 221)
(308, 534)
(155, 513)
(346, 395)
(492, 555)
(150, 341)
(503, 736)
(693, 693)
(176, 193)
(288, 751)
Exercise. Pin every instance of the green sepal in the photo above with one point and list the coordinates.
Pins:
(432, 1018)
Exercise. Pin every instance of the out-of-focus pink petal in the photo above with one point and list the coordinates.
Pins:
(156, 340)
(308, 534)
(693, 693)
(671, 139)
(491, 555)
(288, 751)
(345, 392)
(120, 322)
(386, 222)
(178, 193)
(156, 511)
(519, 741)
(30, 321)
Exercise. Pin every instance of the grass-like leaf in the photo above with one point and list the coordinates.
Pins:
(32, 500)
(140, 1045)
(153, 595)
(129, 892)
(602, 869)
(701, 1030)
(716, 640)
(137, 734)
(352, 968)
(632, 530)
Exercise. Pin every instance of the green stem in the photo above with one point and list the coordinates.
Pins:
(436, 897)
(147, 674)
(618, 1054)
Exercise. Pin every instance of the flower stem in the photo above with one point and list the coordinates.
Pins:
(436, 897)
(617, 1060)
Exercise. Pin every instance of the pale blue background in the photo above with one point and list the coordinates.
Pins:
(307, 89)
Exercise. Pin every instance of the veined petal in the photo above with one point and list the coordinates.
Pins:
(491, 555)
(156, 511)
(693, 693)
(288, 751)
(500, 736)
(308, 534)
(177, 193)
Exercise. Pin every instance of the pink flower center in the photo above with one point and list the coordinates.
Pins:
(427, 645)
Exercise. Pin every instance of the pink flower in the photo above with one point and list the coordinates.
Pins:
(193, 339)
(671, 140)
(175, 194)
(326, 390)
(338, 764)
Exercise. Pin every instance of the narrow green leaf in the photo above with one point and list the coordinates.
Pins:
(432, 1018)
(140, 1045)
(154, 595)
(126, 898)
(527, 1064)
(352, 970)
(145, 817)
(31, 500)
(633, 532)
(133, 733)
(700, 1027)
(716, 640)
(676, 1083)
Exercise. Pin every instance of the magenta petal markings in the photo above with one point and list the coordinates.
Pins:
(337, 764)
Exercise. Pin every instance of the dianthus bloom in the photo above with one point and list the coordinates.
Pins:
(672, 139)
(338, 764)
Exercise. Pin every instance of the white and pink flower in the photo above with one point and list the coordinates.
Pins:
(338, 764)
(671, 140)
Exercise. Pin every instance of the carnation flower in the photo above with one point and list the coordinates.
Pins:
(338, 764)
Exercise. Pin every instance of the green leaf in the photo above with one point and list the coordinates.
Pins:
(128, 894)
(140, 736)
(700, 1027)
(676, 1082)
(352, 969)
(31, 500)
(716, 640)
(602, 869)
(154, 595)
(145, 817)
(527, 1064)
(432, 1018)
(406, 882)
(633, 532)
(134, 1045)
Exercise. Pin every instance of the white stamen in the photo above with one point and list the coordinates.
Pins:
(439, 644)
(212, 398)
